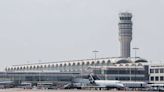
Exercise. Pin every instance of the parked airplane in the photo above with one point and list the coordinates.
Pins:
(105, 83)
(6, 84)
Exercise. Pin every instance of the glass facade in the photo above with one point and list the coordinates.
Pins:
(125, 74)
(35, 77)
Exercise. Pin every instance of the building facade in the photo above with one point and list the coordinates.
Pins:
(156, 74)
(71, 66)
(123, 72)
(115, 68)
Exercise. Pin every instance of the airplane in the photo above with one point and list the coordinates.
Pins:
(6, 84)
(109, 84)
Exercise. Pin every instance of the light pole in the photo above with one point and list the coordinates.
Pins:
(95, 53)
(135, 53)
(39, 71)
(95, 58)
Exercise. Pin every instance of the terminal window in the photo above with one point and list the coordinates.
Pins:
(161, 78)
(156, 78)
(152, 78)
(161, 70)
(156, 70)
(151, 70)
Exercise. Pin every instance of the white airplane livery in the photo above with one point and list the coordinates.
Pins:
(106, 83)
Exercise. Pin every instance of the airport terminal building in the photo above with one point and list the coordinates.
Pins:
(123, 69)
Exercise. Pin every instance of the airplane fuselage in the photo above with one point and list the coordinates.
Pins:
(109, 83)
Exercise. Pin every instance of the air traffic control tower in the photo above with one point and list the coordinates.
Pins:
(125, 33)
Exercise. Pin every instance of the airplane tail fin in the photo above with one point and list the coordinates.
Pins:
(91, 79)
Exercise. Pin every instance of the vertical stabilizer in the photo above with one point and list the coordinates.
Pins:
(91, 79)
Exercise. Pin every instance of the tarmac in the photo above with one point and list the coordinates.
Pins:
(58, 90)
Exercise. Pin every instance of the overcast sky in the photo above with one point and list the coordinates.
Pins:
(33, 31)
